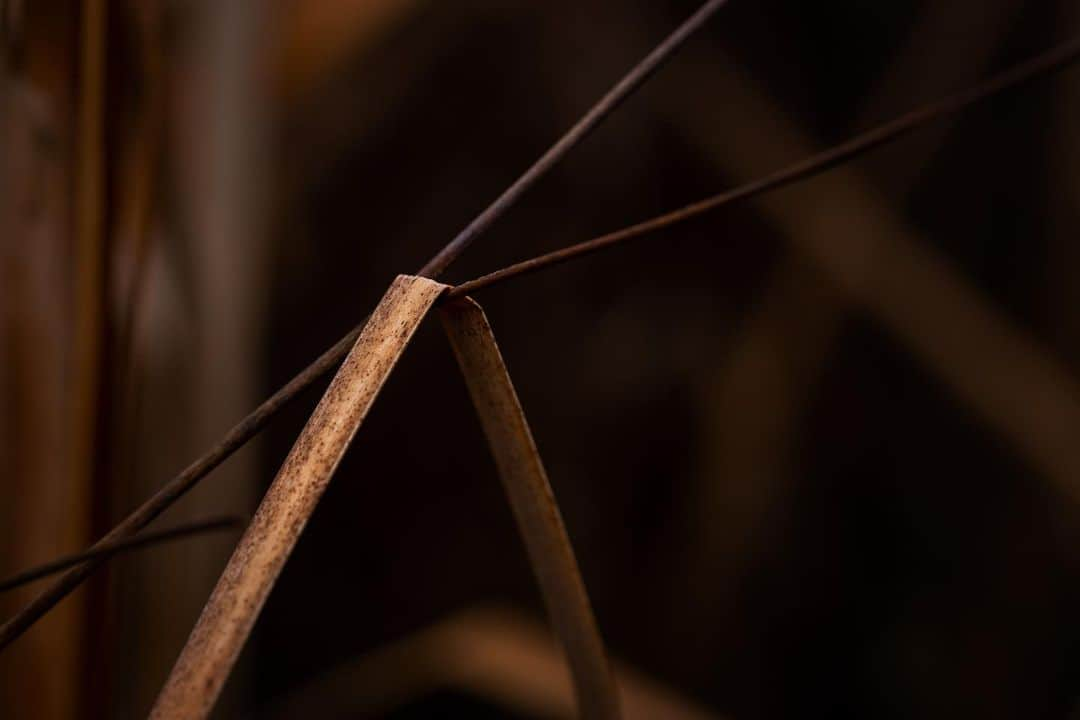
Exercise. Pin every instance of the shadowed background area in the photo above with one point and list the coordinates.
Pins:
(815, 451)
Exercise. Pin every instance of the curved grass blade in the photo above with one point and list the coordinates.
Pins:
(533, 504)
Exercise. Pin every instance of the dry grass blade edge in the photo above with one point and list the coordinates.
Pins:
(211, 650)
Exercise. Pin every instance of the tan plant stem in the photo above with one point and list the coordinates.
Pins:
(221, 631)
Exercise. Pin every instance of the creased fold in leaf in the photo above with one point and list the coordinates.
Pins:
(533, 504)
(227, 619)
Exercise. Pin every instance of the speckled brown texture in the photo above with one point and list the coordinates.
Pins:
(534, 506)
(230, 613)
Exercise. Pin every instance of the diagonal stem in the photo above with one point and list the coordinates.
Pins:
(604, 107)
(225, 623)
(108, 549)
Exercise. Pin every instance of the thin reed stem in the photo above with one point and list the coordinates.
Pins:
(108, 549)
(1049, 62)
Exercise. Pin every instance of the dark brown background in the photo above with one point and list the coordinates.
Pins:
(782, 507)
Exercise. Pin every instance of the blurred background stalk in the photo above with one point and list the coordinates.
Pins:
(46, 492)
(202, 316)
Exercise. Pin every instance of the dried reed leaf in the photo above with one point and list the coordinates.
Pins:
(533, 504)
(214, 644)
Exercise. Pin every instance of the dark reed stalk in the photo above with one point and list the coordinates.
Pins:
(248, 427)
(607, 104)
(1044, 64)
(108, 549)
